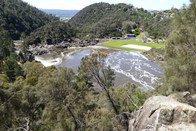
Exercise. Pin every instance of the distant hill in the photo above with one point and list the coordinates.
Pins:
(110, 20)
(20, 19)
(62, 14)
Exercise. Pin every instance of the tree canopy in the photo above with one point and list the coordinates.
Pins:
(52, 33)
(110, 20)
(180, 66)
(20, 19)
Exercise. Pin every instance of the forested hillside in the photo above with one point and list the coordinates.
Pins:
(52, 33)
(103, 20)
(38, 98)
(8, 58)
(108, 20)
(19, 18)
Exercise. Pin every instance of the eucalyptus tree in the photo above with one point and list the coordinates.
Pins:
(66, 100)
(93, 69)
(180, 67)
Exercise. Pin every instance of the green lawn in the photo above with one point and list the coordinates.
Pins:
(119, 43)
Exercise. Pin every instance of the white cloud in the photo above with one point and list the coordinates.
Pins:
(149, 1)
(162, 1)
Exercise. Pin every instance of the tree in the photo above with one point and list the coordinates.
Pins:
(19, 18)
(93, 68)
(8, 63)
(6, 45)
(129, 98)
(30, 112)
(123, 100)
(52, 33)
(12, 68)
(128, 29)
(180, 66)
(66, 100)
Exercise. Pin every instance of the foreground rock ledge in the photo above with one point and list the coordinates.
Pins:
(160, 113)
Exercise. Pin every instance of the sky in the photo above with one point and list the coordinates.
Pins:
(79, 4)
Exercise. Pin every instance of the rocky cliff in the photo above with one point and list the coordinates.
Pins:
(161, 113)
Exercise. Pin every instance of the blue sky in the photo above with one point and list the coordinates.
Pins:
(79, 4)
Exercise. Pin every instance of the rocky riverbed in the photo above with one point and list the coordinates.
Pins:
(51, 49)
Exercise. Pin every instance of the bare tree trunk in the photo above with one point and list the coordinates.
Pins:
(74, 118)
(111, 101)
(132, 101)
(28, 124)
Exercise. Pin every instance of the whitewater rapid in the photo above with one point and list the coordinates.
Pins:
(136, 66)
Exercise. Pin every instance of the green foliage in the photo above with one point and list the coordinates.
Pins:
(128, 97)
(8, 58)
(106, 20)
(19, 18)
(93, 69)
(51, 99)
(119, 43)
(180, 66)
(158, 28)
(128, 29)
(20, 103)
(11, 68)
(67, 103)
(52, 33)
(6, 45)
(33, 97)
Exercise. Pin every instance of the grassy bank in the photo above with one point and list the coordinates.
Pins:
(119, 43)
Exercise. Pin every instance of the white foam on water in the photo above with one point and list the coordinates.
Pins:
(74, 48)
(135, 66)
(97, 47)
(49, 62)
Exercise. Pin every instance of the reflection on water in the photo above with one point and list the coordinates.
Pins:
(130, 66)
(73, 61)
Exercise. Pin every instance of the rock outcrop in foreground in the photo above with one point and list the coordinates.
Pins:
(160, 113)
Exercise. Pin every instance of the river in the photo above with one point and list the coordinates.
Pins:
(129, 66)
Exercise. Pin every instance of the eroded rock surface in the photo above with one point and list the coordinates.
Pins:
(160, 113)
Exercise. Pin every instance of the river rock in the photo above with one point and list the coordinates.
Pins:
(88, 42)
(161, 113)
(40, 49)
(63, 45)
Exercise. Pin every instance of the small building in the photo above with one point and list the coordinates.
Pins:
(129, 36)
(116, 38)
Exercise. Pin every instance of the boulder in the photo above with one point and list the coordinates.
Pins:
(185, 97)
(161, 113)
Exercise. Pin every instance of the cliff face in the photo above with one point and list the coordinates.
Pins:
(160, 113)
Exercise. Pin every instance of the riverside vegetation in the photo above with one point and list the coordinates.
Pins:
(34, 97)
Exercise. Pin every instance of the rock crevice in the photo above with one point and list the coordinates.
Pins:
(161, 113)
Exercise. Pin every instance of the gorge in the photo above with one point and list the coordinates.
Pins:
(129, 66)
